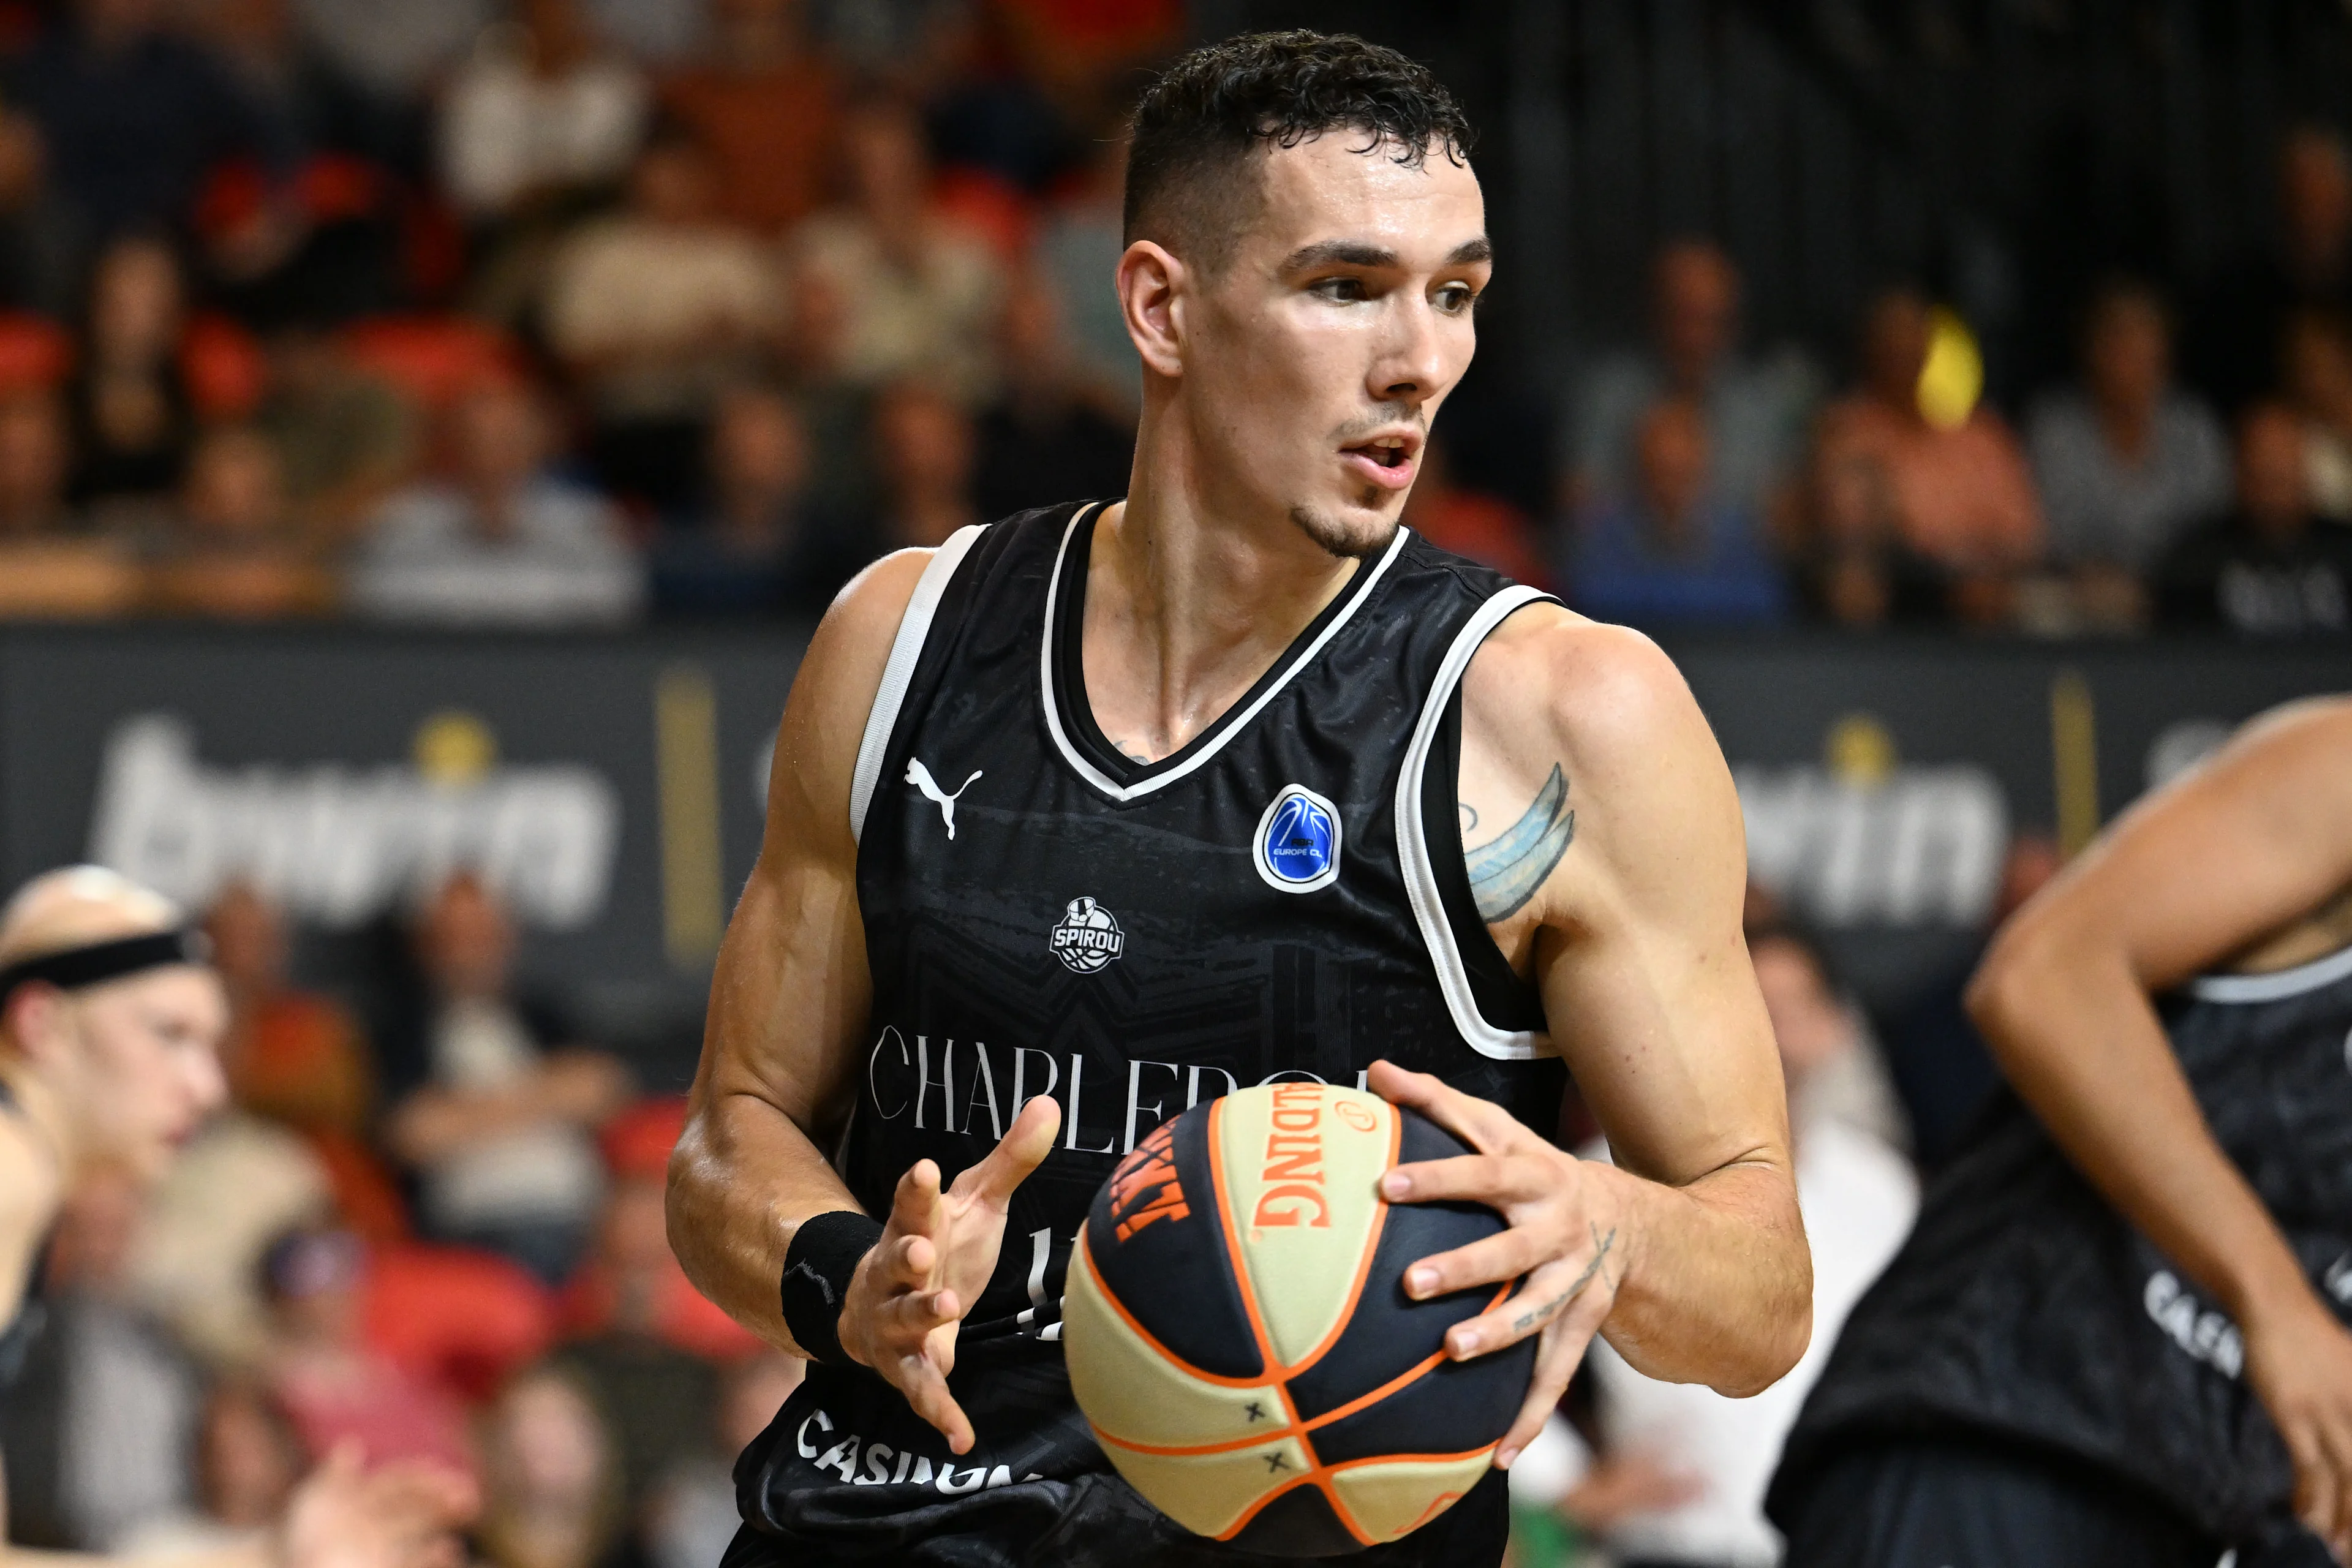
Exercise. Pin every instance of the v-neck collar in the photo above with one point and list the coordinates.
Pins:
(1069, 715)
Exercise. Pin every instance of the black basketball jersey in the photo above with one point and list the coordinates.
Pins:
(1284, 898)
(2024, 1308)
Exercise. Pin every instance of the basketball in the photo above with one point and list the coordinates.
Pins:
(1239, 1337)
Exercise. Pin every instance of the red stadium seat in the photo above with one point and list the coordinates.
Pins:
(465, 1319)
(435, 359)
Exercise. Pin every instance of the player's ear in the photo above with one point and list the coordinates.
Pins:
(1150, 289)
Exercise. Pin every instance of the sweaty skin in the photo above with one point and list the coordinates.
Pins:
(2244, 864)
(1288, 397)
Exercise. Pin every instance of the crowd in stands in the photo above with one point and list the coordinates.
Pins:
(579, 313)
(431, 1223)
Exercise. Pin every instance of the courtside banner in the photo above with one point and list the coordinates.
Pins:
(612, 786)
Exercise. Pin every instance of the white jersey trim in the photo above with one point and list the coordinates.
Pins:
(1233, 725)
(2277, 985)
(1415, 852)
(905, 649)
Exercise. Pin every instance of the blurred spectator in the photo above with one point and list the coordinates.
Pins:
(2319, 379)
(539, 112)
(399, 51)
(759, 544)
(502, 541)
(645, 1343)
(765, 104)
(1675, 551)
(100, 1432)
(1683, 1468)
(234, 553)
(917, 295)
(1078, 243)
(1484, 528)
(2126, 462)
(332, 1384)
(923, 455)
(1081, 55)
(40, 240)
(1757, 409)
(133, 116)
(248, 1459)
(133, 416)
(2238, 329)
(346, 437)
(50, 565)
(693, 1516)
(1053, 432)
(2268, 569)
(501, 1132)
(1960, 498)
(297, 1058)
(548, 1496)
(656, 309)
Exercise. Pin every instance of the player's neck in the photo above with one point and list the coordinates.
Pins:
(1187, 603)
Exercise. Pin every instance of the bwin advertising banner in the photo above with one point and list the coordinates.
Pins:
(611, 787)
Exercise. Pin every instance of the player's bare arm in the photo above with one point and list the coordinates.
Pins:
(788, 1001)
(2244, 864)
(1604, 840)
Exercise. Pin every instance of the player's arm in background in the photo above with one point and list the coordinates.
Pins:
(1689, 1253)
(2244, 847)
(788, 1010)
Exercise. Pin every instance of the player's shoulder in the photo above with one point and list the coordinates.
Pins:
(1603, 695)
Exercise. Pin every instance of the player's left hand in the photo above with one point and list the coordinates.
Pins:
(1567, 1237)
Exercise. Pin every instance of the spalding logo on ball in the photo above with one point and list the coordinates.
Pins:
(1239, 1336)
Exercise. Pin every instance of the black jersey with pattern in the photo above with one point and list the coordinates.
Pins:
(2024, 1308)
(1283, 898)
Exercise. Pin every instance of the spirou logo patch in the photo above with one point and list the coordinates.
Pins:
(1087, 936)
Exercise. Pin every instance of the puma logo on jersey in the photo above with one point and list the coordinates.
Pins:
(920, 777)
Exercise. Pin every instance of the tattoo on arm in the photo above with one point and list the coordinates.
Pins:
(1601, 1246)
(1505, 874)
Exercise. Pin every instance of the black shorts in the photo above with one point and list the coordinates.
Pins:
(1936, 1503)
(1098, 1522)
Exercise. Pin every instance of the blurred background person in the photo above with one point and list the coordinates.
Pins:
(2318, 354)
(501, 541)
(551, 1498)
(2126, 461)
(1676, 551)
(232, 550)
(2304, 262)
(924, 455)
(653, 310)
(1054, 430)
(1758, 409)
(134, 417)
(51, 563)
(249, 1461)
(345, 436)
(1958, 498)
(692, 1516)
(2269, 568)
(501, 1132)
(759, 85)
(1485, 528)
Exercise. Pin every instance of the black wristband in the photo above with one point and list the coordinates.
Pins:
(824, 1253)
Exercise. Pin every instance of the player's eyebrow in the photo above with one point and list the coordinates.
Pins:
(1471, 251)
(1339, 252)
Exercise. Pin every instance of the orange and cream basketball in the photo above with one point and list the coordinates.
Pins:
(1240, 1339)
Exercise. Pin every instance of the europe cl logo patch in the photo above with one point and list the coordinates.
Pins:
(1297, 844)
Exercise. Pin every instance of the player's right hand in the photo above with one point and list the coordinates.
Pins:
(402, 1515)
(2299, 1363)
(911, 1291)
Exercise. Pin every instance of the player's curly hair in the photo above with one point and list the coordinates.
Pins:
(1195, 125)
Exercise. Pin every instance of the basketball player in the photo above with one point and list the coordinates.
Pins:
(109, 1024)
(2116, 1338)
(1100, 812)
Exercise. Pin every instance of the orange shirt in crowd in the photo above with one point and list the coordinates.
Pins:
(299, 1058)
(767, 133)
(1963, 496)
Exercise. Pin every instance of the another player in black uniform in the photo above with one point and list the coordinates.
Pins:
(2115, 1339)
(110, 1021)
(1110, 808)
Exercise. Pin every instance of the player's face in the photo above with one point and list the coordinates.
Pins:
(147, 1070)
(1341, 321)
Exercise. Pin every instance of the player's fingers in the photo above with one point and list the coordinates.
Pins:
(1490, 1261)
(2314, 1480)
(921, 1379)
(1495, 1179)
(1481, 1124)
(2336, 1444)
(1022, 1150)
(1563, 1350)
(1550, 1292)
(904, 1321)
(915, 1205)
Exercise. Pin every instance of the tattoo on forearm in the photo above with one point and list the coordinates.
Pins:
(1505, 874)
(1534, 1315)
